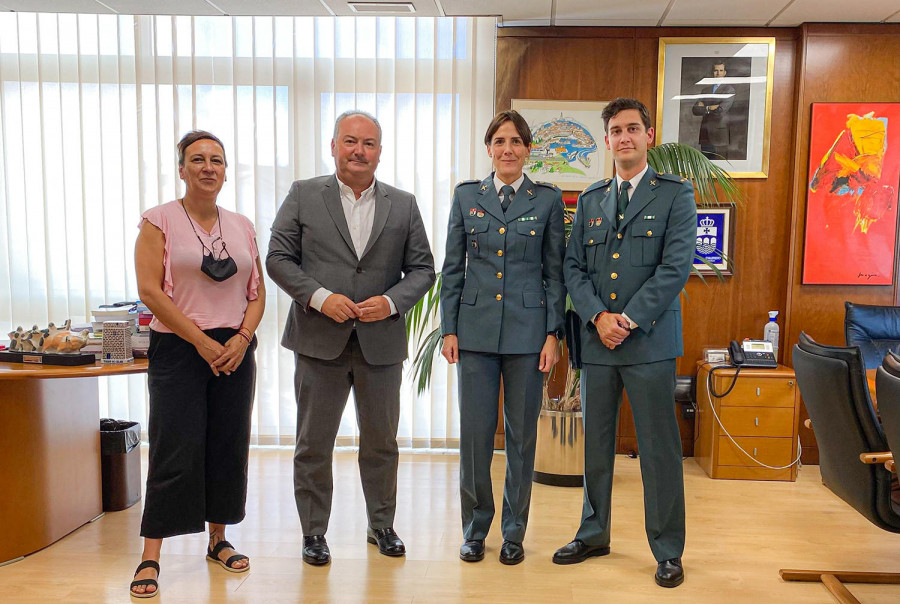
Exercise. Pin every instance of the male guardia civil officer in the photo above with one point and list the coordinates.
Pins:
(352, 253)
(502, 304)
(629, 256)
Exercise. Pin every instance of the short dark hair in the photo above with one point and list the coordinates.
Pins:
(197, 135)
(518, 121)
(623, 104)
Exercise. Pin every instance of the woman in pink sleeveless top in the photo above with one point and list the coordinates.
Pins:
(198, 271)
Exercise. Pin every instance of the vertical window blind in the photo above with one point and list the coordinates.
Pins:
(91, 107)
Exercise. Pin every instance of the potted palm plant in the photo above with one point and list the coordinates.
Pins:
(560, 456)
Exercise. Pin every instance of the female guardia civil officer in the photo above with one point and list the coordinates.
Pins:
(502, 305)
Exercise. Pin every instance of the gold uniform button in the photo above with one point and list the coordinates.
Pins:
(612, 296)
(615, 275)
(652, 322)
(616, 256)
(499, 275)
(499, 252)
(590, 241)
(502, 230)
(649, 233)
(499, 297)
(532, 232)
(619, 236)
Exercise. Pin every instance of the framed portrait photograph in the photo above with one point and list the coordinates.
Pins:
(567, 146)
(715, 240)
(851, 195)
(715, 94)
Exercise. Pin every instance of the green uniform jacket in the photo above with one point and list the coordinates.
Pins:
(502, 288)
(639, 268)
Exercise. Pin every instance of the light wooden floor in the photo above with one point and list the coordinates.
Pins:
(739, 534)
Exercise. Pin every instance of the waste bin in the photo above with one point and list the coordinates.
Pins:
(120, 463)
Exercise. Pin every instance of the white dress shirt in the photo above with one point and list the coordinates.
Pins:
(360, 215)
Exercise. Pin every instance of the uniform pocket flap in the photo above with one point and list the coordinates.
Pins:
(529, 228)
(648, 228)
(595, 238)
(468, 296)
(477, 226)
(534, 299)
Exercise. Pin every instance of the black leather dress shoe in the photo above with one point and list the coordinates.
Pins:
(472, 550)
(315, 550)
(578, 551)
(511, 553)
(387, 541)
(669, 573)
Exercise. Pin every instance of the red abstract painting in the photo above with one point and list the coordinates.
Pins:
(851, 210)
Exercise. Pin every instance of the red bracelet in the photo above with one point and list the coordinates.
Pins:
(245, 336)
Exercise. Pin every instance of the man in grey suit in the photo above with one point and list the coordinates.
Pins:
(353, 254)
(628, 258)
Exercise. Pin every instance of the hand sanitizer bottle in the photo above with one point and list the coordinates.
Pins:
(771, 331)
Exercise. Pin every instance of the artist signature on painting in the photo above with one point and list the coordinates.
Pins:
(867, 275)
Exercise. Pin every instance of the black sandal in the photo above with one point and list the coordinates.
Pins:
(212, 554)
(153, 582)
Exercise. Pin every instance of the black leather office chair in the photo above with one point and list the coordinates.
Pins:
(875, 329)
(832, 382)
(887, 386)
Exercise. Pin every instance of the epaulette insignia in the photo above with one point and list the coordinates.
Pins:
(549, 185)
(672, 177)
(600, 184)
(467, 182)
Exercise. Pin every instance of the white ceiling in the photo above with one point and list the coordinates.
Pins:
(650, 13)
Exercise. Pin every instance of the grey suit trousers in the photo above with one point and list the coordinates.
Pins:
(322, 387)
(651, 392)
(479, 390)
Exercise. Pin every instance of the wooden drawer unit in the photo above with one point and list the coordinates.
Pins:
(761, 413)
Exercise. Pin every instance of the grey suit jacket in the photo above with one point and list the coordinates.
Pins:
(311, 248)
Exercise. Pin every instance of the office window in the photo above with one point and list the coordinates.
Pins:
(91, 107)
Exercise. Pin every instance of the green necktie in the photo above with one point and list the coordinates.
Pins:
(507, 191)
(622, 202)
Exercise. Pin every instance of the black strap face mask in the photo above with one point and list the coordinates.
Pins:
(217, 268)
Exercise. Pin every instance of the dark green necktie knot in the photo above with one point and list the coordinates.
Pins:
(622, 202)
(507, 192)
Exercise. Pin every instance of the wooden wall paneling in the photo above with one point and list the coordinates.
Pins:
(602, 63)
(838, 63)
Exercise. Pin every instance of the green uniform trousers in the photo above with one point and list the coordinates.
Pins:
(651, 392)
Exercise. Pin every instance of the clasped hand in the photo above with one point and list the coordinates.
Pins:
(340, 308)
(612, 329)
(223, 358)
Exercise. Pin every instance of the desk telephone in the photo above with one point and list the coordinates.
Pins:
(752, 353)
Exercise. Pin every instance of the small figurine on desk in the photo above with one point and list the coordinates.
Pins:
(50, 340)
(64, 341)
(25, 341)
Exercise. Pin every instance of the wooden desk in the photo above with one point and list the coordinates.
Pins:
(50, 446)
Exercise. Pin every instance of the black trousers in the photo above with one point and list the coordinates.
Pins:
(199, 437)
